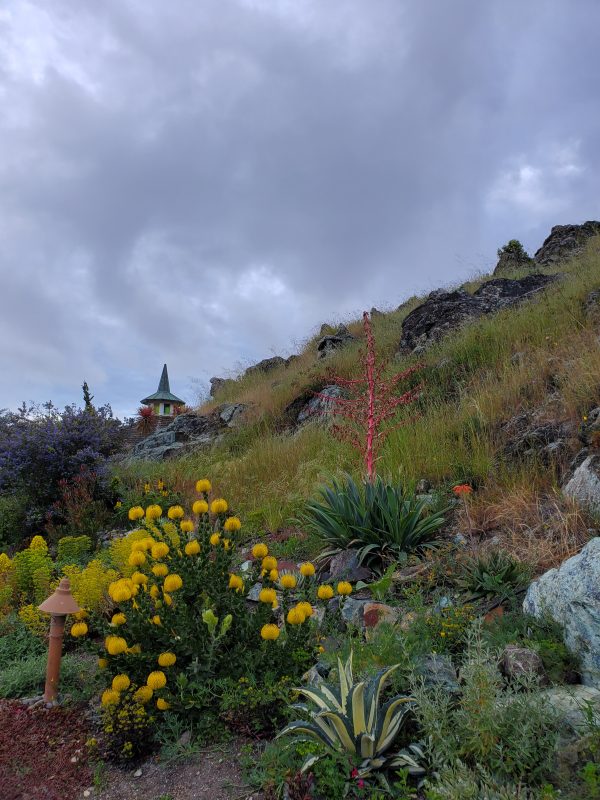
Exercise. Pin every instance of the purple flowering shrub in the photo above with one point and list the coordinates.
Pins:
(44, 449)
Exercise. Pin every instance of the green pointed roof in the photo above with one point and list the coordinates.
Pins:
(164, 391)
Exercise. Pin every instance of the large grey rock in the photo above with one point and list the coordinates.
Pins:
(266, 365)
(571, 596)
(313, 406)
(438, 671)
(570, 703)
(230, 413)
(333, 341)
(216, 384)
(344, 566)
(444, 312)
(565, 241)
(530, 436)
(513, 257)
(518, 662)
(187, 432)
(583, 485)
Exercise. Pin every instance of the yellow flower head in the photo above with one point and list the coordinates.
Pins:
(156, 620)
(227, 544)
(79, 629)
(160, 570)
(139, 578)
(159, 550)
(269, 563)
(203, 485)
(102, 663)
(306, 608)
(172, 583)
(260, 550)
(110, 697)
(219, 506)
(146, 487)
(344, 588)
(288, 581)
(135, 513)
(325, 592)
(215, 539)
(156, 680)
(175, 512)
(160, 484)
(154, 592)
(119, 592)
(166, 659)
(200, 507)
(162, 704)
(115, 645)
(307, 569)
(120, 683)
(143, 694)
(274, 575)
(136, 649)
(140, 544)
(267, 596)
(270, 632)
(186, 525)
(232, 524)
(235, 582)
(118, 619)
(168, 599)
(192, 548)
(295, 616)
(136, 559)
(153, 512)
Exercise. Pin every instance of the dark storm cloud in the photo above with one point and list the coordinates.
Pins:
(201, 183)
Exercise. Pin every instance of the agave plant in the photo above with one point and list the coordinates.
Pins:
(496, 574)
(348, 718)
(383, 521)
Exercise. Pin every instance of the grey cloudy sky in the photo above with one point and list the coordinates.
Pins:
(204, 182)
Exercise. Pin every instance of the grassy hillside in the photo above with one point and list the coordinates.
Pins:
(542, 353)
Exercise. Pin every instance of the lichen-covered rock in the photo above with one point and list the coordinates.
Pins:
(444, 312)
(333, 341)
(266, 365)
(312, 406)
(216, 384)
(187, 432)
(565, 241)
(571, 596)
(230, 413)
(518, 662)
(438, 671)
(530, 436)
(583, 485)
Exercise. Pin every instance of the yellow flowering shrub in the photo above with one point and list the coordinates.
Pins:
(29, 561)
(34, 620)
(120, 550)
(90, 584)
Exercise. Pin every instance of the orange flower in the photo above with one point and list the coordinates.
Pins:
(461, 489)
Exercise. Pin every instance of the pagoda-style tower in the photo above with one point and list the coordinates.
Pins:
(163, 402)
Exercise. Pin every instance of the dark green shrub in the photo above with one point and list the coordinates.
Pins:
(12, 520)
(493, 575)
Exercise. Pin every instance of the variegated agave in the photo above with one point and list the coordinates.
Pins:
(349, 718)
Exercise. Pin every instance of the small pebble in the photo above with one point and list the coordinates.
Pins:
(137, 773)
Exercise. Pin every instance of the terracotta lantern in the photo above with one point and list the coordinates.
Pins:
(58, 606)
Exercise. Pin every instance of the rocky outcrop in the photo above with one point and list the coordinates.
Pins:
(216, 384)
(513, 257)
(269, 364)
(311, 406)
(571, 596)
(333, 341)
(444, 312)
(531, 436)
(521, 662)
(583, 484)
(565, 241)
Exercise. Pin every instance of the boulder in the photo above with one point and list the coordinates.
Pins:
(187, 432)
(583, 483)
(313, 406)
(518, 662)
(333, 341)
(444, 312)
(565, 241)
(230, 413)
(569, 702)
(266, 365)
(530, 436)
(511, 258)
(438, 671)
(589, 432)
(374, 614)
(571, 596)
(344, 566)
(216, 384)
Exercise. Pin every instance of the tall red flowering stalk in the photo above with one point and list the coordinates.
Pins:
(371, 403)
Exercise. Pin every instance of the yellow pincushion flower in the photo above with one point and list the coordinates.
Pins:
(325, 592)
(306, 608)
(172, 583)
(232, 524)
(274, 575)
(215, 539)
(267, 596)
(192, 548)
(159, 550)
(110, 697)
(175, 512)
(295, 616)
(200, 507)
(115, 645)
(153, 512)
(135, 513)
(155, 620)
(307, 569)
(166, 659)
(219, 506)
(136, 559)
(344, 588)
(288, 581)
(260, 550)
(120, 683)
(143, 694)
(156, 680)
(168, 599)
(119, 592)
(154, 592)
(203, 485)
(135, 649)
(235, 582)
(139, 578)
(79, 629)
(269, 563)
(269, 632)
(118, 619)
(186, 525)
(162, 705)
(227, 544)
(160, 570)
(102, 663)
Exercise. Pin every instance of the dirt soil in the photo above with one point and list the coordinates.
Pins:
(212, 774)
